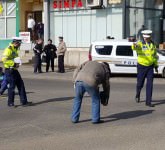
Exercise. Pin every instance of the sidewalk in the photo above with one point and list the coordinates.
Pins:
(26, 71)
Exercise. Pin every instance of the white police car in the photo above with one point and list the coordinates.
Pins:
(120, 56)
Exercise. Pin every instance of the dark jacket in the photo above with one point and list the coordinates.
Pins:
(38, 49)
(40, 28)
(94, 74)
(50, 51)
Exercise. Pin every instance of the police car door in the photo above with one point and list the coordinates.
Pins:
(127, 59)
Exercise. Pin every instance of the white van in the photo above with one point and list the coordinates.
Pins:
(120, 56)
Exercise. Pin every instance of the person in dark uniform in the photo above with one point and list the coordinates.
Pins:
(50, 51)
(37, 56)
(61, 53)
(147, 61)
(40, 30)
(13, 77)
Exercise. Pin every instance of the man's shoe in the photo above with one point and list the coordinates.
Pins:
(137, 99)
(74, 122)
(27, 104)
(98, 122)
(150, 105)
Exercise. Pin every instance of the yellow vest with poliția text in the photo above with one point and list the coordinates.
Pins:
(147, 53)
(8, 56)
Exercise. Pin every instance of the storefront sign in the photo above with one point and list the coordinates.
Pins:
(114, 1)
(67, 3)
(25, 37)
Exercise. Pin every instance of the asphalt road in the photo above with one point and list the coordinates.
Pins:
(47, 126)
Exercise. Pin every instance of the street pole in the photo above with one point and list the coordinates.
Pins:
(163, 16)
(46, 20)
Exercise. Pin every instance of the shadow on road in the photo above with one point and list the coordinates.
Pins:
(155, 102)
(26, 93)
(127, 115)
(158, 102)
(123, 115)
(59, 99)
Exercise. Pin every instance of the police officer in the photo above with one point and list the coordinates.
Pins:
(61, 53)
(13, 77)
(50, 51)
(37, 56)
(147, 61)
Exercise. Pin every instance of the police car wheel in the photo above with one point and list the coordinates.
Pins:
(163, 73)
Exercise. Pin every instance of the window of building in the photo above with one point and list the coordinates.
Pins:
(155, 4)
(124, 51)
(8, 19)
(81, 26)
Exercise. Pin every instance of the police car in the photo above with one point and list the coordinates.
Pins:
(120, 56)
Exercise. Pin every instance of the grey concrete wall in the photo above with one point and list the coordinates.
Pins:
(73, 56)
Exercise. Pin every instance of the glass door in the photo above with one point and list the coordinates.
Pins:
(138, 19)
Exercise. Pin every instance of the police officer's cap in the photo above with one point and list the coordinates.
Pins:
(146, 33)
(17, 39)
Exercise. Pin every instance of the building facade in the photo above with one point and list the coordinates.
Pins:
(79, 22)
(82, 24)
(9, 21)
(13, 17)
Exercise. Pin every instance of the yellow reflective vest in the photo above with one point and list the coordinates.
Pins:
(147, 53)
(8, 56)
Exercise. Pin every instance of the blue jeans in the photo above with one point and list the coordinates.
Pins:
(4, 84)
(80, 89)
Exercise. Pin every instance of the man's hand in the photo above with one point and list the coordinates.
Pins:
(16, 65)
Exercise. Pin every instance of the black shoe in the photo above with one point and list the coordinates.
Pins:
(11, 105)
(150, 105)
(98, 122)
(27, 104)
(137, 99)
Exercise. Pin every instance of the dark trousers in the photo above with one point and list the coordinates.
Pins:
(14, 79)
(31, 33)
(145, 72)
(61, 64)
(37, 64)
(49, 61)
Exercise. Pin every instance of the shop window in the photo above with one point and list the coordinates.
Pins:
(8, 19)
(11, 26)
(11, 8)
(145, 3)
(2, 27)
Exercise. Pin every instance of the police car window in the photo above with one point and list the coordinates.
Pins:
(103, 49)
(162, 52)
(124, 51)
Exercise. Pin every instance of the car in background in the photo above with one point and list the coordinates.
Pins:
(120, 56)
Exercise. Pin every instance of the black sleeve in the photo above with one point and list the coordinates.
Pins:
(55, 48)
(35, 49)
(45, 49)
